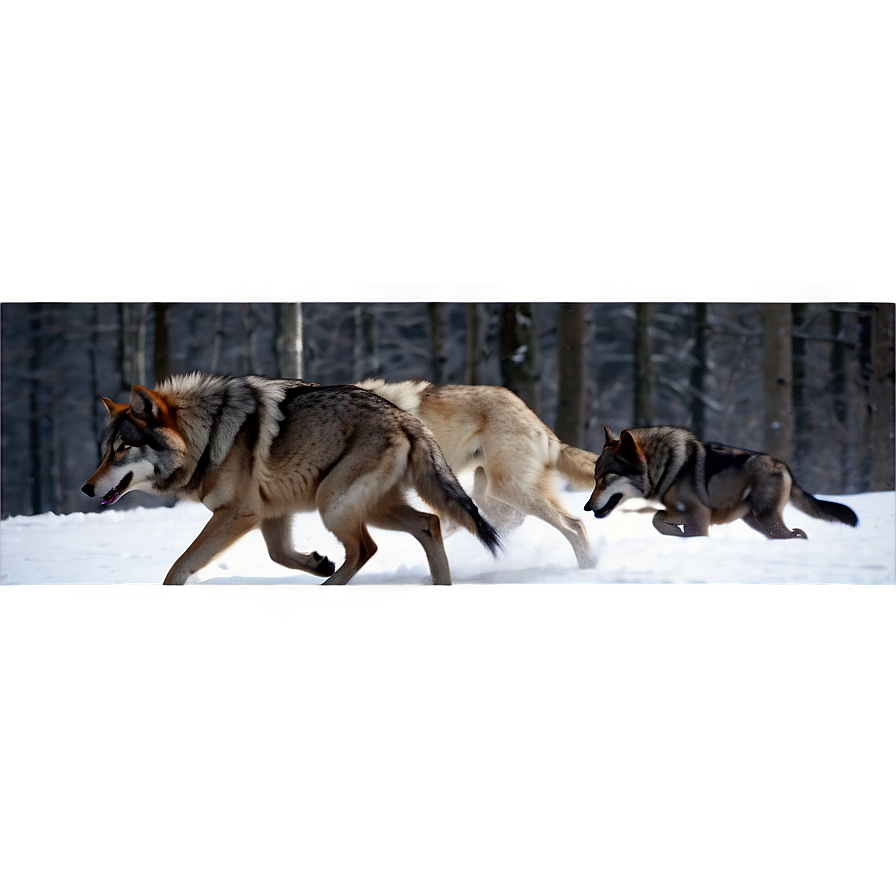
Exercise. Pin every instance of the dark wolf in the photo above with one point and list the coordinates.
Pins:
(702, 484)
(255, 451)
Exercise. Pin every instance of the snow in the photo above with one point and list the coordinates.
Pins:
(501, 736)
(138, 546)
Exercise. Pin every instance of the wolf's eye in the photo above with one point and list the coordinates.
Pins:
(123, 448)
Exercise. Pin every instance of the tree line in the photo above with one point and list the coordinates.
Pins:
(811, 383)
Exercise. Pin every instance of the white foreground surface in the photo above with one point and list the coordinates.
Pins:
(502, 736)
(120, 546)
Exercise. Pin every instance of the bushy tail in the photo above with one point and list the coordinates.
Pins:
(577, 466)
(822, 510)
(438, 486)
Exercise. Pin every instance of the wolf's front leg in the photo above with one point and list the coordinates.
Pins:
(684, 525)
(664, 525)
(278, 538)
(220, 532)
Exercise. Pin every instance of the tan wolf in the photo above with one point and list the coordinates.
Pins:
(514, 454)
(702, 484)
(255, 451)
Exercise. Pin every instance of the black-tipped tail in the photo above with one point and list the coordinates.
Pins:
(840, 512)
(438, 486)
(822, 510)
(485, 531)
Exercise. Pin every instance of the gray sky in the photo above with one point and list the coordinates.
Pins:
(380, 120)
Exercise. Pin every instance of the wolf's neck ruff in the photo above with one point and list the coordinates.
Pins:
(219, 407)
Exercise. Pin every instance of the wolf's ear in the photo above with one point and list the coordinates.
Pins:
(114, 408)
(628, 448)
(145, 403)
(609, 436)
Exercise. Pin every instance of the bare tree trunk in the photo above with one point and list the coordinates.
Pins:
(161, 344)
(645, 375)
(367, 362)
(700, 369)
(778, 381)
(519, 351)
(436, 343)
(865, 356)
(802, 419)
(843, 441)
(35, 410)
(250, 339)
(98, 415)
(881, 395)
(475, 335)
(288, 339)
(572, 354)
(132, 321)
(217, 336)
(60, 496)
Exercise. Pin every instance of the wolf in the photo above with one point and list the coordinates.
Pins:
(514, 454)
(256, 450)
(702, 484)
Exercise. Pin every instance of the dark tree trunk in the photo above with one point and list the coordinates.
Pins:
(881, 394)
(98, 412)
(699, 370)
(34, 409)
(778, 381)
(161, 355)
(367, 362)
(475, 341)
(132, 344)
(288, 339)
(217, 337)
(250, 338)
(572, 344)
(519, 352)
(802, 419)
(436, 343)
(866, 367)
(645, 375)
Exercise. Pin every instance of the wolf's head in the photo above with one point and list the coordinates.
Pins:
(619, 473)
(141, 447)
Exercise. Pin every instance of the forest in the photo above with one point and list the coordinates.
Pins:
(811, 383)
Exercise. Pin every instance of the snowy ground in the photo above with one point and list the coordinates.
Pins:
(502, 736)
(138, 546)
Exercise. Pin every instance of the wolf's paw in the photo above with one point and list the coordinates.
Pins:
(325, 566)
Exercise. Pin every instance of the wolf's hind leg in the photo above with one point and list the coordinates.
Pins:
(541, 500)
(359, 547)
(278, 537)
(503, 516)
(767, 503)
(425, 527)
(222, 530)
(772, 526)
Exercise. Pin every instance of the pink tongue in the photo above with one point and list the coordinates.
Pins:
(111, 498)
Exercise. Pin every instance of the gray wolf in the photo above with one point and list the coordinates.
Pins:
(255, 451)
(702, 484)
(514, 455)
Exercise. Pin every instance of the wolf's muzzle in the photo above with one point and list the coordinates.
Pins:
(601, 512)
(87, 488)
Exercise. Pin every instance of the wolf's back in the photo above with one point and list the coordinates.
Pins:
(438, 486)
(405, 395)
